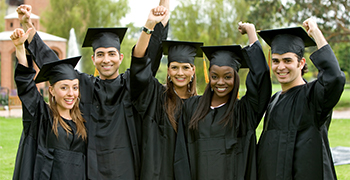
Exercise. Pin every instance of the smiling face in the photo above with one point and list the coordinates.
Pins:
(107, 62)
(287, 69)
(221, 81)
(180, 73)
(65, 93)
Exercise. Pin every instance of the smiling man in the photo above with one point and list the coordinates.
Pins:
(294, 143)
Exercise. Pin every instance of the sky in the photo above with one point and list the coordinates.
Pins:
(139, 10)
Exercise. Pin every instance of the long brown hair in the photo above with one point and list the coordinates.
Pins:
(173, 103)
(205, 102)
(75, 113)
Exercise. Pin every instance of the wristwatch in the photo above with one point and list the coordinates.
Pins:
(146, 30)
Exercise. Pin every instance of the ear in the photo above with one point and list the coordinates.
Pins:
(121, 57)
(302, 63)
(93, 59)
(51, 91)
(194, 70)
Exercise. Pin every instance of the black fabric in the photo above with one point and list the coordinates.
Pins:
(215, 151)
(284, 40)
(114, 126)
(231, 56)
(41, 154)
(295, 144)
(158, 135)
(58, 70)
(104, 37)
(182, 51)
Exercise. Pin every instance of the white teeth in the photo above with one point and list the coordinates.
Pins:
(221, 89)
(180, 79)
(69, 100)
(283, 74)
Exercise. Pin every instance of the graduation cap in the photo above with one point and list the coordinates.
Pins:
(284, 40)
(182, 51)
(58, 70)
(230, 55)
(104, 37)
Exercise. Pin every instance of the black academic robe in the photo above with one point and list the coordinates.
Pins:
(216, 151)
(41, 154)
(158, 135)
(294, 143)
(114, 126)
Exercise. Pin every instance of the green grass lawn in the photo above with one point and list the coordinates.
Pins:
(11, 128)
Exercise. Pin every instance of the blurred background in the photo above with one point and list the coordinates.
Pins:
(213, 22)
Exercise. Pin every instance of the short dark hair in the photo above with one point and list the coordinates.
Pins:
(305, 68)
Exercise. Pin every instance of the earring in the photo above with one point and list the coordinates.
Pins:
(191, 79)
(169, 78)
(211, 89)
(188, 87)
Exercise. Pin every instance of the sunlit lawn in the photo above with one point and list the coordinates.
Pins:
(10, 131)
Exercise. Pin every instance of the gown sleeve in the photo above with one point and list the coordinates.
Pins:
(40, 51)
(155, 46)
(258, 81)
(330, 81)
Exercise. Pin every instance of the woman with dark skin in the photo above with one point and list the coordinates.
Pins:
(216, 135)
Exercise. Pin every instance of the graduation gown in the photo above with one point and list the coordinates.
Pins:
(294, 143)
(158, 135)
(114, 126)
(42, 155)
(215, 151)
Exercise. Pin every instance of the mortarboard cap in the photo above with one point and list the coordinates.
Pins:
(182, 51)
(58, 70)
(104, 37)
(230, 55)
(284, 40)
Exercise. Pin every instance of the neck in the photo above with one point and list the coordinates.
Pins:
(65, 114)
(297, 82)
(216, 101)
(181, 92)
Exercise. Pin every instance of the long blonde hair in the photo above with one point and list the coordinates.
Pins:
(75, 113)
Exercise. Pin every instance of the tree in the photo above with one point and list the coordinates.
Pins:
(80, 15)
(332, 16)
(2, 15)
(213, 22)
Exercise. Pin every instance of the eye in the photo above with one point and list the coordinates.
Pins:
(228, 77)
(76, 87)
(275, 61)
(99, 55)
(214, 77)
(187, 68)
(63, 87)
(112, 54)
(173, 67)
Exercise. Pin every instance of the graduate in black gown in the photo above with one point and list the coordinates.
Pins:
(113, 123)
(160, 105)
(53, 141)
(216, 134)
(294, 142)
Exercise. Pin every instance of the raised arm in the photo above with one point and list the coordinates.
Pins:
(155, 16)
(24, 11)
(330, 79)
(258, 81)
(18, 38)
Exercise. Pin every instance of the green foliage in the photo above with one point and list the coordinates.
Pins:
(80, 15)
(214, 22)
(3, 7)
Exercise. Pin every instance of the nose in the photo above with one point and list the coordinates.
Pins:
(181, 71)
(221, 81)
(106, 59)
(70, 91)
(281, 66)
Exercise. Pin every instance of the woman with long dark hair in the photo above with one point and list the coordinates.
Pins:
(216, 135)
(160, 105)
(53, 142)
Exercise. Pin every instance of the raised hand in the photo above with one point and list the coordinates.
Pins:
(249, 29)
(18, 36)
(156, 15)
(24, 12)
(312, 30)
